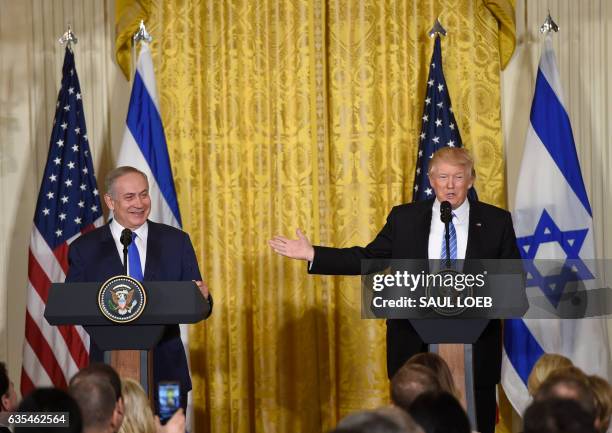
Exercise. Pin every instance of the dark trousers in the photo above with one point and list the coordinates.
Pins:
(486, 409)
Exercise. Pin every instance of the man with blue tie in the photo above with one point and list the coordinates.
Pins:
(158, 252)
(415, 231)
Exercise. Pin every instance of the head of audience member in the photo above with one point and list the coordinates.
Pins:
(568, 383)
(451, 174)
(106, 373)
(410, 381)
(98, 403)
(440, 368)
(603, 402)
(8, 396)
(138, 416)
(52, 400)
(556, 415)
(383, 420)
(545, 365)
(127, 195)
(427, 408)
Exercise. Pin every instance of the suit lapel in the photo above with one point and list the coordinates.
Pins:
(422, 230)
(153, 253)
(108, 248)
(475, 231)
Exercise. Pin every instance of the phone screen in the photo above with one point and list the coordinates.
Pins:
(169, 399)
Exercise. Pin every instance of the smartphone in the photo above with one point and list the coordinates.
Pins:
(168, 399)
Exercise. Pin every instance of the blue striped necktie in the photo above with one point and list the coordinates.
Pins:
(135, 267)
(452, 241)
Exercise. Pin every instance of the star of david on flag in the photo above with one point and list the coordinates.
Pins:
(553, 221)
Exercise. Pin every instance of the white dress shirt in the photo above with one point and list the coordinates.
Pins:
(461, 221)
(142, 234)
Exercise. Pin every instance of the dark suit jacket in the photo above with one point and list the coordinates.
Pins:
(93, 257)
(406, 236)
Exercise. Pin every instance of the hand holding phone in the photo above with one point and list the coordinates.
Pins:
(168, 399)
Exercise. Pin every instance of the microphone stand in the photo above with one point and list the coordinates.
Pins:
(125, 258)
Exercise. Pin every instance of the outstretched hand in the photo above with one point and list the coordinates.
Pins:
(299, 248)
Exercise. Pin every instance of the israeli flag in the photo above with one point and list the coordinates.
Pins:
(144, 143)
(144, 147)
(553, 220)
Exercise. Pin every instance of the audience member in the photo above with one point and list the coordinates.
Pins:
(384, 420)
(8, 398)
(410, 381)
(51, 400)
(568, 383)
(107, 374)
(139, 416)
(545, 365)
(439, 413)
(438, 365)
(98, 403)
(603, 402)
(557, 415)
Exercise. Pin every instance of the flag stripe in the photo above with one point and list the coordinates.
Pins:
(63, 342)
(27, 386)
(44, 257)
(522, 348)
(144, 122)
(44, 353)
(61, 254)
(558, 140)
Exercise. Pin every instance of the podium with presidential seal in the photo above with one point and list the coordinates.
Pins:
(126, 318)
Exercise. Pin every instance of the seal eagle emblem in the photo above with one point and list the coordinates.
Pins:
(122, 299)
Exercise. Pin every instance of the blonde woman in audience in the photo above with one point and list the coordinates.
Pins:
(603, 402)
(438, 365)
(547, 363)
(139, 416)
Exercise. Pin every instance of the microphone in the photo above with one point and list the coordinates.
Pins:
(126, 237)
(446, 212)
(126, 240)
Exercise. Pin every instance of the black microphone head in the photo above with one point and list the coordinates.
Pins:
(446, 212)
(126, 237)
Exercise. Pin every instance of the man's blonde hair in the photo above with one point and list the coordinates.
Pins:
(454, 156)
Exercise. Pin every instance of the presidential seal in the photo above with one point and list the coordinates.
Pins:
(445, 296)
(122, 299)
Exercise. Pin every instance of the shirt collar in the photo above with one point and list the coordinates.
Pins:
(462, 213)
(117, 229)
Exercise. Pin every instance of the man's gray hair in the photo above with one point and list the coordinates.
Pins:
(113, 175)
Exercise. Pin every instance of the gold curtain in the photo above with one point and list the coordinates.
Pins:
(304, 114)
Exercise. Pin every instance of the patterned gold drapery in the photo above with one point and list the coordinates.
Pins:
(305, 114)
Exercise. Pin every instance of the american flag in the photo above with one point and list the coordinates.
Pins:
(68, 205)
(439, 126)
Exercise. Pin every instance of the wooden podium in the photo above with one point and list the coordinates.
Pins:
(452, 339)
(127, 345)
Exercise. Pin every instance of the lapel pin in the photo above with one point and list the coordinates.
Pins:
(478, 224)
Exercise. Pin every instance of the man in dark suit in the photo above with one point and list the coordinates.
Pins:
(415, 231)
(158, 252)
